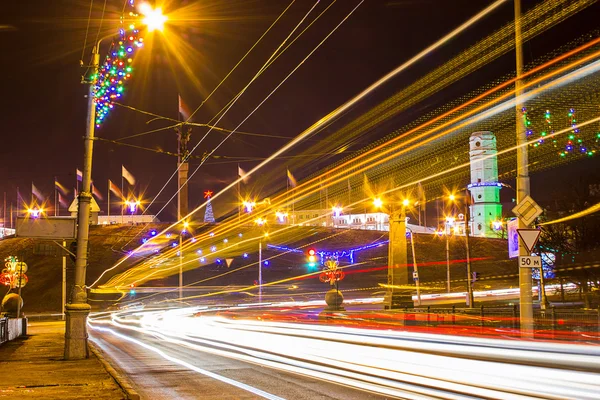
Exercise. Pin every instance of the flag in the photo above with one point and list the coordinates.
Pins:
(79, 175)
(127, 175)
(292, 180)
(113, 188)
(241, 174)
(96, 192)
(36, 192)
(62, 201)
(184, 110)
(60, 187)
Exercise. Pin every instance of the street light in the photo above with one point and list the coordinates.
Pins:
(260, 222)
(132, 205)
(153, 17)
(77, 311)
(415, 268)
(186, 225)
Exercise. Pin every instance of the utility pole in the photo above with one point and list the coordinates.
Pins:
(470, 298)
(447, 261)
(525, 279)
(76, 336)
(64, 282)
(183, 137)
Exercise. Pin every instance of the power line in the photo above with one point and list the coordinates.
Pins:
(87, 29)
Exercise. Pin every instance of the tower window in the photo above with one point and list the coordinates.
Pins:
(477, 144)
(478, 196)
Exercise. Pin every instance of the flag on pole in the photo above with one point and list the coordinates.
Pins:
(62, 201)
(59, 187)
(79, 175)
(242, 173)
(292, 180)
(115, 189)
(184, 110)
(36, 192)
(97, 192)
(127, 175)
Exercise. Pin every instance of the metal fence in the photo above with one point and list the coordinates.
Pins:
(550, 322)
(3, 330)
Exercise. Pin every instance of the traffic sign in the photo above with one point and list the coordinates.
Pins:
(527, 210)
(529, 238)
(228, 261)
(530, 261)
(415, 275)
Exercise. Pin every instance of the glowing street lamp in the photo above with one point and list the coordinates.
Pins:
(35, 212)
(153, 17)
(378, 203)
(249, 206)
(337, 211)
(260, 222)
(281, 216)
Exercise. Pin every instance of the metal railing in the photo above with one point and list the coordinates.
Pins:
(3, 330)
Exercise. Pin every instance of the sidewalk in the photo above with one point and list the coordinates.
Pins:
(33, 367)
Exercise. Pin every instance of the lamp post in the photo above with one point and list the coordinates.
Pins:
(76, 346)
(186, 225)
(260, 222)
(415, 268)
(132, 205)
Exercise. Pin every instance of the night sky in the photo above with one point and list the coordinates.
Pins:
(43, 112)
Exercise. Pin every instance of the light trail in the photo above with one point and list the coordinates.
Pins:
(334, 114)
(376, 158)
(394, 363)
(187, 365)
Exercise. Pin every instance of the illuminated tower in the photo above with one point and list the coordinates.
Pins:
(484, 187)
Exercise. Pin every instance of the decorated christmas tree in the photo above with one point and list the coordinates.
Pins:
(208, 213)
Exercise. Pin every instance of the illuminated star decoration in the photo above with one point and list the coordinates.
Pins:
(208, 194)
(109, 83)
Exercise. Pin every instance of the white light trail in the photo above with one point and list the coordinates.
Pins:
(392, 363)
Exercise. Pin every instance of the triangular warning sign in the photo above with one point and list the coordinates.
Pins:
(529, 237)
(228, 261)
(93, 205)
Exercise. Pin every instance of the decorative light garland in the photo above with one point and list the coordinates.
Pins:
(110, 80)
(337, 254)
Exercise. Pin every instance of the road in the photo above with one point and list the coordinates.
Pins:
(216, 377)
(174, 353)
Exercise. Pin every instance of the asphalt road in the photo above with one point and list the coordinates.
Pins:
(155, 377)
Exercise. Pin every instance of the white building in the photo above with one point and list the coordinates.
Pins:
(484, 187)
(378, 221)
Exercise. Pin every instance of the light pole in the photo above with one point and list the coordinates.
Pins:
(260, 222)
(77, 311)
(186, 225)
(132, 205)
(415, 268)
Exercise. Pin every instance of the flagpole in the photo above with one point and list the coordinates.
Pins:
(122, 194)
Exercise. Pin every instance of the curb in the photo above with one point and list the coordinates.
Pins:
(123, 382)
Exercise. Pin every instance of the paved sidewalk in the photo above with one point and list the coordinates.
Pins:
(33, 367)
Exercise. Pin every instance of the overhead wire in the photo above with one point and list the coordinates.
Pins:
(333, 114)
(264, 100)
(87, 29)
(218, 120)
